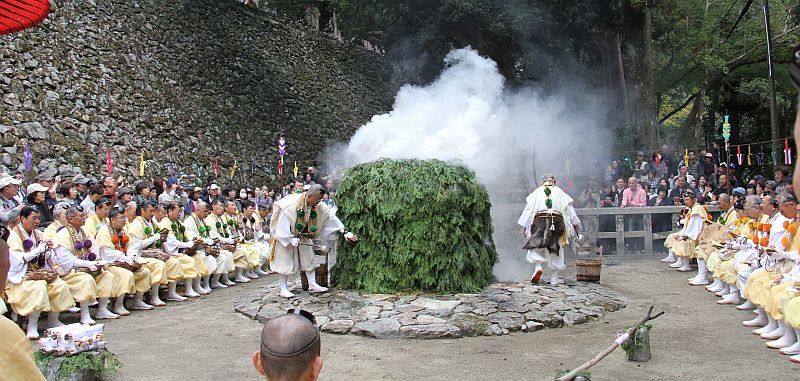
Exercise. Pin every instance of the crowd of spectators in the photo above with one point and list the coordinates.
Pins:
(48, 189)
(661, 182)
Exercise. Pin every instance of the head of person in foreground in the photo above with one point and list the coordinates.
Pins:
(290, 348)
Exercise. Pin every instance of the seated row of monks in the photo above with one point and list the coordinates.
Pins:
(751, 253)
(101, 258)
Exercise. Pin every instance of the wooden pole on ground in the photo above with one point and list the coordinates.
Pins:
(625, 337)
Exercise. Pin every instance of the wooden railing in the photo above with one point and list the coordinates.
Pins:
(590, 219)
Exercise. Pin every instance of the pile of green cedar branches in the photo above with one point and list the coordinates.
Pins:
(424, 225)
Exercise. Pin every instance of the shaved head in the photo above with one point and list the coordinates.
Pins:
(290, 348)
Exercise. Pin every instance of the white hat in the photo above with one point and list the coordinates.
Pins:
(213, 186)
(307, 187)
(36, 187)
(6, 180)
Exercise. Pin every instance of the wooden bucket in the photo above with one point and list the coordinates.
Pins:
(587, 269)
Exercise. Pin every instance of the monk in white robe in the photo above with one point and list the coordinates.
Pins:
(552, 207)
(298, 219)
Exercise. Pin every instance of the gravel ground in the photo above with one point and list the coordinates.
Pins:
(696, 339)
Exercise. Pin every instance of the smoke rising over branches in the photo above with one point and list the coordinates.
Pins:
(468, 115)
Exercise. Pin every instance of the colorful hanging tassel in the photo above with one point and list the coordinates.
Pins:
(28, 156)
(760, 156)
(658, 159)
(216, 168)
(739, 157)
(749, 156)
(787, 152)
(686, 157)
(109, 162)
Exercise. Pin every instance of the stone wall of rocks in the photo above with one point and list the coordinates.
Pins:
(182, 80)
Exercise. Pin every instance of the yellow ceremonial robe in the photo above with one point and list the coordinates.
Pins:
(35, 295)
(140, 281)
(16, 354)
(759, 284)
(188, 268)
(93, 223)
(51, 230)
(225, 262)
(791, 309)
(161, 272)
(105, 285)
(685, 248)
(726, 270)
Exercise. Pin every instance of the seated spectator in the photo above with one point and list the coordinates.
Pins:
(290, 348)
(660, 199)
(95, 193)
(611, 171)
(619, 188)
(723, 185)
(709, 167)
(653, 180)
(682, 171)
(663, 183)
(693, 165)
(69, 193)
(770, 186)
(36, 196)
(680, 184)
(142, 191)
(608, 196)
(589, 198)
(82, 184)
(124, 196)
(649, 192)
(634, 195)
(640, 168)
(738, 193)
(706, 194)
(9, 188)
(662, 222)
(661, 167)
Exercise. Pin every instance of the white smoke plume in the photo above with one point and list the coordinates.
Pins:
(468, 115)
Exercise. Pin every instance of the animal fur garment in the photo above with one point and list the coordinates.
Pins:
(546, 230)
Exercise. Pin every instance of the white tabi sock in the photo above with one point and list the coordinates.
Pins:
(312, 282)
(33, 325)
(85, 317)
(283, 281)
(52, 320)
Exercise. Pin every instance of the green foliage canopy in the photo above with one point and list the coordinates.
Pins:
(424, 225)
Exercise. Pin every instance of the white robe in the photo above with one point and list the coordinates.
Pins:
(289, 259)
(562, 204)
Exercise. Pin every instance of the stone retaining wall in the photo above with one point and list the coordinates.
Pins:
(183, 80)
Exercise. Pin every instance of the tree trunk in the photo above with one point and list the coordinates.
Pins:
(695, 117)
(637, 31)
(615, 77)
